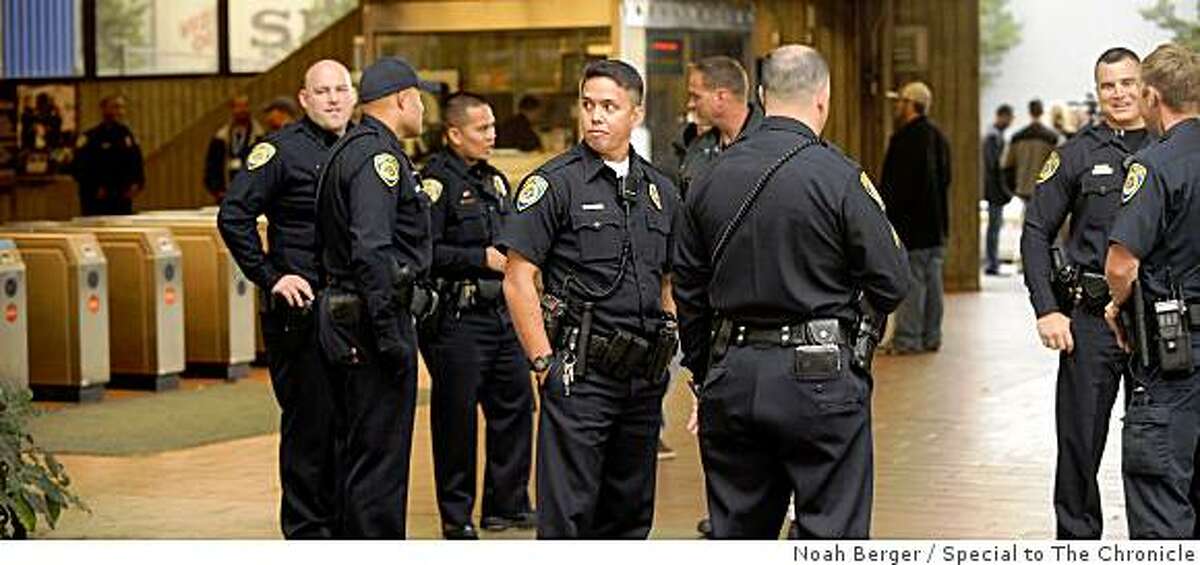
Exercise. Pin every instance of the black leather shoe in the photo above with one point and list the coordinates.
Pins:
(459, 532)
(520, 521)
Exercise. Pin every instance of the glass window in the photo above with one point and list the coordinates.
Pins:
(263, 32)
(148, 37)
(505, 66)
(41, 38)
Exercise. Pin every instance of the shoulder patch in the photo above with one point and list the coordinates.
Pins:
(1049, 167)
(655, 197)
(501, 188)
(532, 190)
(432, 188)
(1133, 181)
(870, 188)
(388, 169)
(260, 155)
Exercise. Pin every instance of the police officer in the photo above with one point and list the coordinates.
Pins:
(1082, 179)
(281, 182)
(719, 96)
(595, 223)
(1154, 241)
(471, 350)
(775, 245)
(373, 234)
(108, 163)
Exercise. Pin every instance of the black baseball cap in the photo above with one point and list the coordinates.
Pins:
(388, 75)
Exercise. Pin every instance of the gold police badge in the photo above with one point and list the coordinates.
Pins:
(870, 188)
(1049, 167)
(388, 169)
(1133, 181)
(260, 155)
(654, 196)
(432, 188)
(532, 190)
(501, 188)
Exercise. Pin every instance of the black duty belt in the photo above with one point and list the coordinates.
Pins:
(825, 331)
(621, 354)
(418, 300)
(462, 295)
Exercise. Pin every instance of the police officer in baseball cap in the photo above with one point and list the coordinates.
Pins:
(373, 229)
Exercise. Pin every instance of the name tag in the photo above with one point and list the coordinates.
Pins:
(592, 207)
(1102, 169)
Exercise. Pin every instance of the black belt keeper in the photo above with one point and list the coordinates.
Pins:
(585, 340)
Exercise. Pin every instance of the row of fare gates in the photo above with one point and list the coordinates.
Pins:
(122, 302)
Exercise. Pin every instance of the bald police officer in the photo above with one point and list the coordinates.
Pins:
(373, 229)
(471, 350)
(595, 223)
(281, 182)
(1155, 242)
(776, 244)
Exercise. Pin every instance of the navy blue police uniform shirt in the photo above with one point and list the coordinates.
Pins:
(572, 222)
(470, 204)
(1160, 212)
(1083, 178)
(372, 218)
(280, 181)
(817, 235)
(108, 156)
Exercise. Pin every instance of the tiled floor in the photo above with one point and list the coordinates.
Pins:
(964, 449)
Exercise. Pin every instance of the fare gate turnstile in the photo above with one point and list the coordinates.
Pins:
(219, 302)
(14, 325)
(67, 299)
(260, 348)
(146, 294)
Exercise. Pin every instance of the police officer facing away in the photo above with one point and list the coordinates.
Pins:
(1082, 179)
(719, 96)
(281, 182)
(596, 224)
(1154, 242)
(784, 404)
(373, 229)
(471, 350)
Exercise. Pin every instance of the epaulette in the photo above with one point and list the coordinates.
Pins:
(559, 161)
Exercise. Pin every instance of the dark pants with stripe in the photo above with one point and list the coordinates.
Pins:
(1088, 381)
(306, 424)
(768, 431)
(597, 455)
(375, 401)
(475, 361)
(1161, 454)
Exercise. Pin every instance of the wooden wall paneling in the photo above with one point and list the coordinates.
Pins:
(952, 74)
(175, 171)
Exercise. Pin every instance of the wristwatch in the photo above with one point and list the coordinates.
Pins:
(542, 363)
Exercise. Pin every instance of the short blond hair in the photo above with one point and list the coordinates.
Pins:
(1174, 71)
